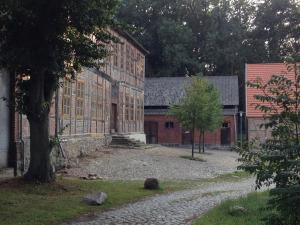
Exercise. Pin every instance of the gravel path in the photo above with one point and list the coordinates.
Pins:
(160, 162)
(172, 209)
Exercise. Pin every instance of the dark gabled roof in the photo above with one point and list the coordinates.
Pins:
(132, 40)
(165, 91)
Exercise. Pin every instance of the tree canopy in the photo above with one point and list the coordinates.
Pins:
(45, 41)
(199, 109)
(224, 35)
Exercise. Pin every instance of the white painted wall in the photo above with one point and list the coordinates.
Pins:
(4, 119)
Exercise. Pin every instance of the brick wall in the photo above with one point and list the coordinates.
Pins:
(174, 136)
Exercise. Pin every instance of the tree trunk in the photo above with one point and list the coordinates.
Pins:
(40, 168)
(193, 142)
(199, 142)
(203, 142)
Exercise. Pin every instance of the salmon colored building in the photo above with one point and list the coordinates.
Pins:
(254, 116)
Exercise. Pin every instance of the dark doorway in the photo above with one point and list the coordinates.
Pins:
(151, 131)
(225, 134)
(186, 137)
(113, 118)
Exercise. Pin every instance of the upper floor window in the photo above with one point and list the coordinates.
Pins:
(132, 59)
(80, 98)
(127, 58)
(122, 56)
(116, 55)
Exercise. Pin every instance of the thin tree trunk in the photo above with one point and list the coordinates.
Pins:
(203, 141)
(199, 142)
(193, 142)
(40, 168)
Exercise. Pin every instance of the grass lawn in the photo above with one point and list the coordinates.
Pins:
(253, 203)
(32, 204)
(29, 204)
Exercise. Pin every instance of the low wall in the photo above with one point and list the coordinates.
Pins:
(72, 148)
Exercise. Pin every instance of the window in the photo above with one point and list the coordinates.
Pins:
(116, 55)
(80, 99)
(169, 125)
(127, 107)
(226, 125)
(132, 61)
(127, 58)
(94, 102)
(99, 102)
(122, 56)
(138, 109)
(67, 93)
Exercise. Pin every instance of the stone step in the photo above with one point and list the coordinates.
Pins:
(125, 142)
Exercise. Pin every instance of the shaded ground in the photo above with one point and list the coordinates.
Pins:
(160, 162)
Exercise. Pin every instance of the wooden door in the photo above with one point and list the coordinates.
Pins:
(186, 137)
(114, 118)
(151, 131)
(226, 134)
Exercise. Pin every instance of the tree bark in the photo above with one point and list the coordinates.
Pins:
(39, 103)
(193, 140)
(203, 142)
(40, 168)
(199, 142)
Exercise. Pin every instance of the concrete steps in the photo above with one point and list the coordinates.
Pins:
(120, 141)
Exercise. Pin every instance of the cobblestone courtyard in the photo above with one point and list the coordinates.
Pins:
(159, 162)
(178, 208)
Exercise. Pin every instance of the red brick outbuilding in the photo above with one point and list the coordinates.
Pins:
(162, 128)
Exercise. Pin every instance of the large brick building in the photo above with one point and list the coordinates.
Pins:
(90, 109)
(255, 117)
(162, 128)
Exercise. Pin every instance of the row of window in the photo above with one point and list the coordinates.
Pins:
(127, 58)
(97, 103)
(100, 100)
(129, 108)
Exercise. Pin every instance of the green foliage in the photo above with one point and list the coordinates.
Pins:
(254, 204)
(42, 42)
(200, 108)
(225, 34)
(277, 160)
(47, 40)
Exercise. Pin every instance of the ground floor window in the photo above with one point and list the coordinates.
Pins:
(169, 125)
